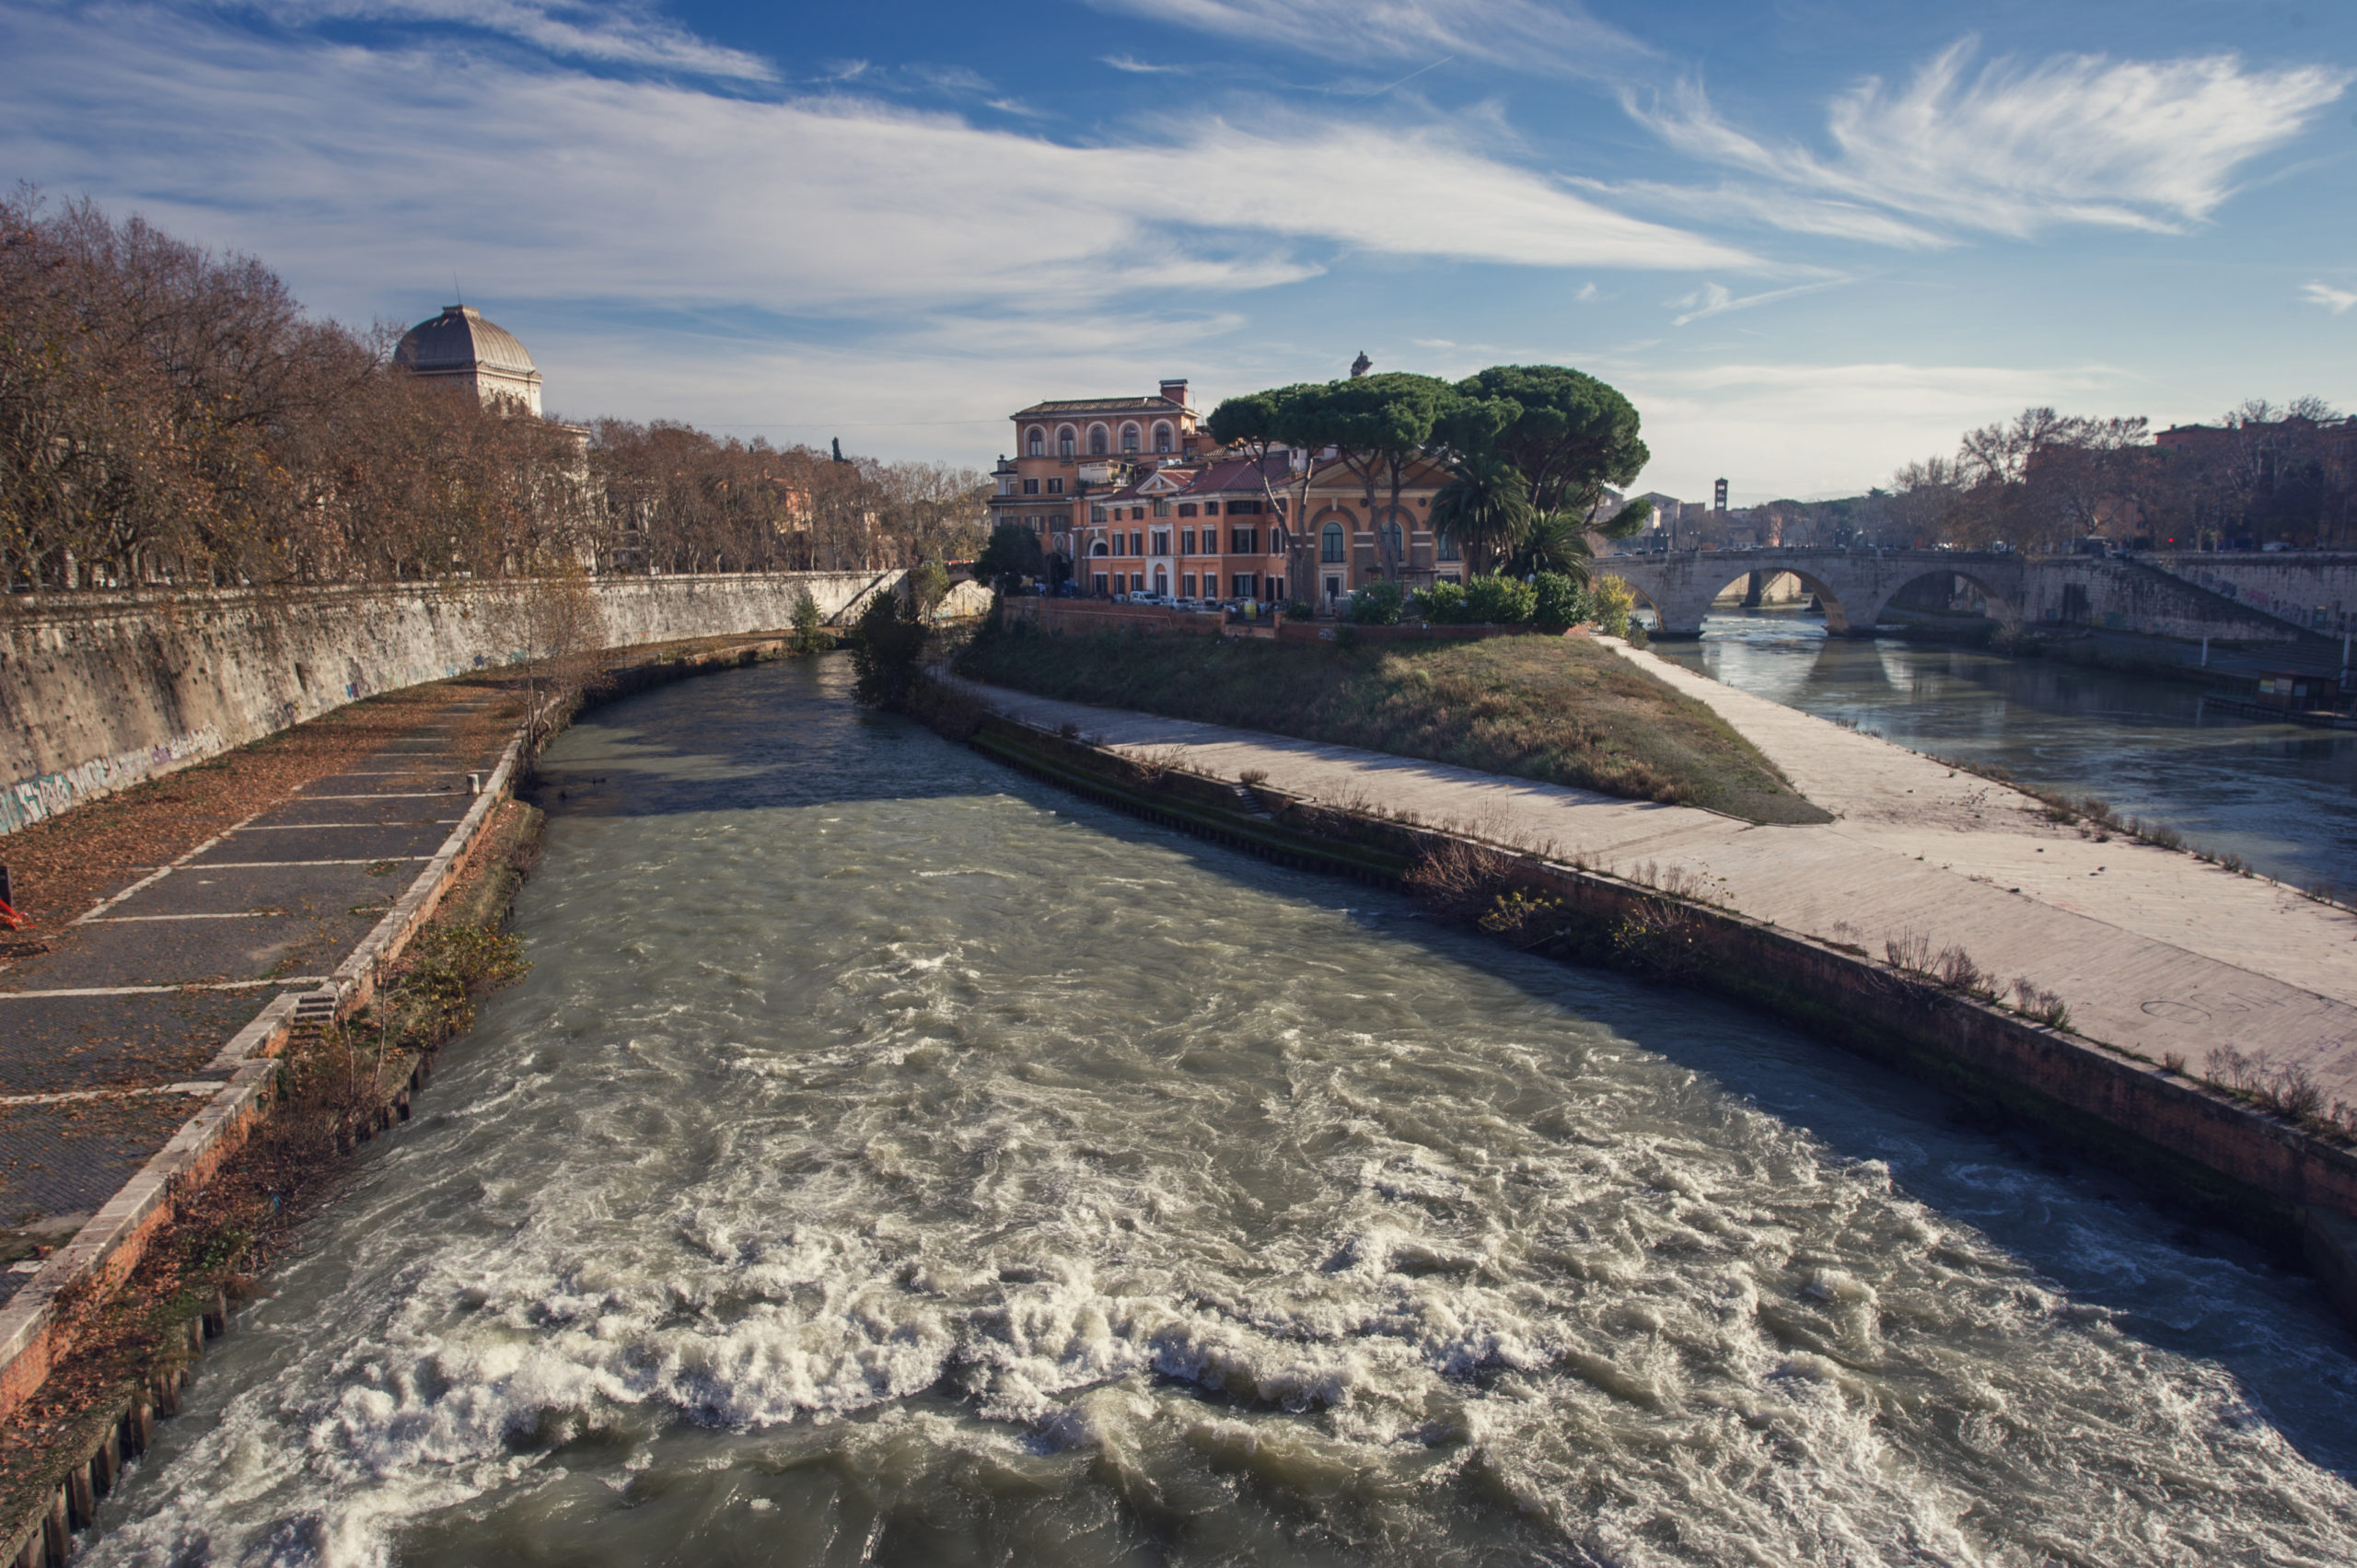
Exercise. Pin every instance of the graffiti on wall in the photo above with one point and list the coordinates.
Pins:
(29, 800)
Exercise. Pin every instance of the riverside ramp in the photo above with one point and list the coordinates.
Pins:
(2158, 955)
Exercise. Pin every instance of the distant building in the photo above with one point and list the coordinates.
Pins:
(1129, 495)
(460, 347)
(1075, 446)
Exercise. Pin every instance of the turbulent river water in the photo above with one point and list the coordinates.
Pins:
(889, 1159)
(2282, 797)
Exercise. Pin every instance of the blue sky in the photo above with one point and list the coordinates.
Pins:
(1812, 240)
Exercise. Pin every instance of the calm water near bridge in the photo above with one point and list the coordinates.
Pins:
(889, 1159)
(2281, 796)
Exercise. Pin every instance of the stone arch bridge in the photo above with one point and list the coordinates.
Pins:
(1854, 585)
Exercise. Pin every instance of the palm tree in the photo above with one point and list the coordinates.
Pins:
(1484, 508)
(1554, 543)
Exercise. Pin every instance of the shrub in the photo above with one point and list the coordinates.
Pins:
(2040, 1003)
(1378, 604)
(1300, 610)
(807, 637)
(1012, 554)
(1613, 601)
(1500, 601)
(1958, 971)
(887, 648)
(1443, 604)
(928, 586)
(1562, 601)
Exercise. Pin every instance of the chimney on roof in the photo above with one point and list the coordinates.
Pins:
(1361, 366)
(1176, 391)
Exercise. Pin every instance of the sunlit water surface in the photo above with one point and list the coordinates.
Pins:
(891, 1160)
(2282, 797)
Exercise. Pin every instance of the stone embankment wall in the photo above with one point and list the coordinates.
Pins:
(2228, 1158)
(2128, 596)
(2312, 588)
(100, 690)
(1086, 616)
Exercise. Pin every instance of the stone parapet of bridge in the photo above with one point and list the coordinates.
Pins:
(1853, 585)
(2096, 593)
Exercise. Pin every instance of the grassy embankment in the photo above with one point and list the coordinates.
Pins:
(1561, 709)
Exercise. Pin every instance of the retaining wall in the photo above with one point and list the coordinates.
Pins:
(2129, 596)
(100, 690)
(2269, 1176)
(1086, 616)
(2316, 589)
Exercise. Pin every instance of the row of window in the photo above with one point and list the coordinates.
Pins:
(1333, 542)
(1332, 545)
(1240, 584)
(1031, 487)
(1185, 509)
(1240, 541)
(1035, 441)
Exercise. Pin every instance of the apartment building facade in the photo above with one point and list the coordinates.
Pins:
(1129, 495)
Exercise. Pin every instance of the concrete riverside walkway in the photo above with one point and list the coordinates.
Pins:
(114, 1038)
(2151, 949)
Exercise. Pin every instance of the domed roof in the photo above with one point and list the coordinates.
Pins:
(460, 340)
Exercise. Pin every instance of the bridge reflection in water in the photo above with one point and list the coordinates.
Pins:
(2282, 797)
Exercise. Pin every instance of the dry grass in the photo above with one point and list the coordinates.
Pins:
(1563, 710)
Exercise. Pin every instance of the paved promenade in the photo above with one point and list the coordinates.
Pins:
(115, 1037)
(2151, 949)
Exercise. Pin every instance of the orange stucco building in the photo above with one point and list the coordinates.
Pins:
(1135, 498)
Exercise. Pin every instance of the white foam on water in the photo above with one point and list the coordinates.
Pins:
(1070, 1198)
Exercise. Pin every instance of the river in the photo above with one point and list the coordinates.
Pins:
(2282, 797)
(889, 1159)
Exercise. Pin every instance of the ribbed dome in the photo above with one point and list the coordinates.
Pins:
(459, 339)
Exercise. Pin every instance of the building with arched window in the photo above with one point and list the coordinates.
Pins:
(1130, 496)
(1074, 448)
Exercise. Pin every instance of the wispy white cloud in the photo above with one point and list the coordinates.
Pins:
(1776, 208)
(2015, 149)
(1586, 294)
(1717, 300)
(1142, 67)
(609, 34)
(950, 79)
(366, 168)
(1523, 35)
(2337, 300)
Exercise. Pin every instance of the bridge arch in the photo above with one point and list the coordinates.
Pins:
(1854, 585)
(1680, 590)
(1835, 603)
(2003, 602)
